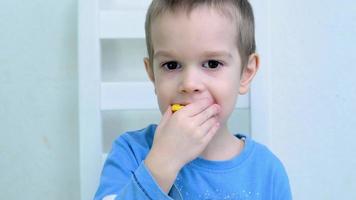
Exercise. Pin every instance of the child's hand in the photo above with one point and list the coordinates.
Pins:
(182, 136)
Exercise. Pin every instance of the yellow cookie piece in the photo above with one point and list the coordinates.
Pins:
(176, 107)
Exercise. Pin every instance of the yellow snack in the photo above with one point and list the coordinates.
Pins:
(176, 107)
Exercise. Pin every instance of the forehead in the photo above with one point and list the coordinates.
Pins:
(203, 28)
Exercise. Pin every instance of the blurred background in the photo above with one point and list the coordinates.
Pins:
(51, 129)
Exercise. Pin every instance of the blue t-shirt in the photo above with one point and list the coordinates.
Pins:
(254, 174)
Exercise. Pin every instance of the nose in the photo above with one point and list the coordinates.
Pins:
(191, 81)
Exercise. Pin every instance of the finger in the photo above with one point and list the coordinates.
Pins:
(196, 107)
(207, 114)
(166, 115)
(206, 126)
(211, 133)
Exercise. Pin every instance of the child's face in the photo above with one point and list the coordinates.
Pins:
(195, 57)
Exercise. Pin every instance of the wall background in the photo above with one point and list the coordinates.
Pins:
(313, 95)
(38, 100)
(312, 77)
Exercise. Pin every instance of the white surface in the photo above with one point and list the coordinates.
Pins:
(122, 24)
(126, 95)
(39, 152)
(124, 4)
(313, 95)
(122, 18)
(122, 60)
(260, 89)
(90, 142)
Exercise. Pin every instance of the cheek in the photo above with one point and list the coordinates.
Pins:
(163, 94)
(161, 99)
(226, 97)
(162, 106)
(228, 107)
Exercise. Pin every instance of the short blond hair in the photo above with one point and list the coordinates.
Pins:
(240, 10)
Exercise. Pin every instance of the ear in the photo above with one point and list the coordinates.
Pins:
(149, 69)
(248, 73)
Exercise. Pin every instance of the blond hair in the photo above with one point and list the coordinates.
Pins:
(240, 10)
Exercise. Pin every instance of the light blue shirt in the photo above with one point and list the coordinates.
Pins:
(254, 174)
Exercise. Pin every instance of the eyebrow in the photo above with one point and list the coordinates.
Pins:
(226, 54)
(163, 54)
(217, 54)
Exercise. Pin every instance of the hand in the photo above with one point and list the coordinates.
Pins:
(180, 138)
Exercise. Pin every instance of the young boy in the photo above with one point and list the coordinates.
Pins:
(201, 56)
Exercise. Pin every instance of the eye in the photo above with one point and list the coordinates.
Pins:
(172, 65)
(212, 64)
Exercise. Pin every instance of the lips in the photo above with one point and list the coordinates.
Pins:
(184, 103)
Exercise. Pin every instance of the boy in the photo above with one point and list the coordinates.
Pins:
(201, 56)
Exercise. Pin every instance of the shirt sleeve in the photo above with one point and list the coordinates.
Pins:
(125, 177)
(281, 187)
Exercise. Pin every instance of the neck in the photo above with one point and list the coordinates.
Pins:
(223, 146)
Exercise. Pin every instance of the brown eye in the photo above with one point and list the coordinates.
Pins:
(172, 65)
(212, 64)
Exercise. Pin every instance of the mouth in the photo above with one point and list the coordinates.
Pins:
(184, 103)
(180, 104)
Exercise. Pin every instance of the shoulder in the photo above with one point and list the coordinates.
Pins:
(133, 144)
(261, 159)
(141, 138)
(272, 168)
(261, 152)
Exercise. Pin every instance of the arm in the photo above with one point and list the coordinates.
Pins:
(125, 177)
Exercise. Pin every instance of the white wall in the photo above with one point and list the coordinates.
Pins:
(313, 95)
(38, 100)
